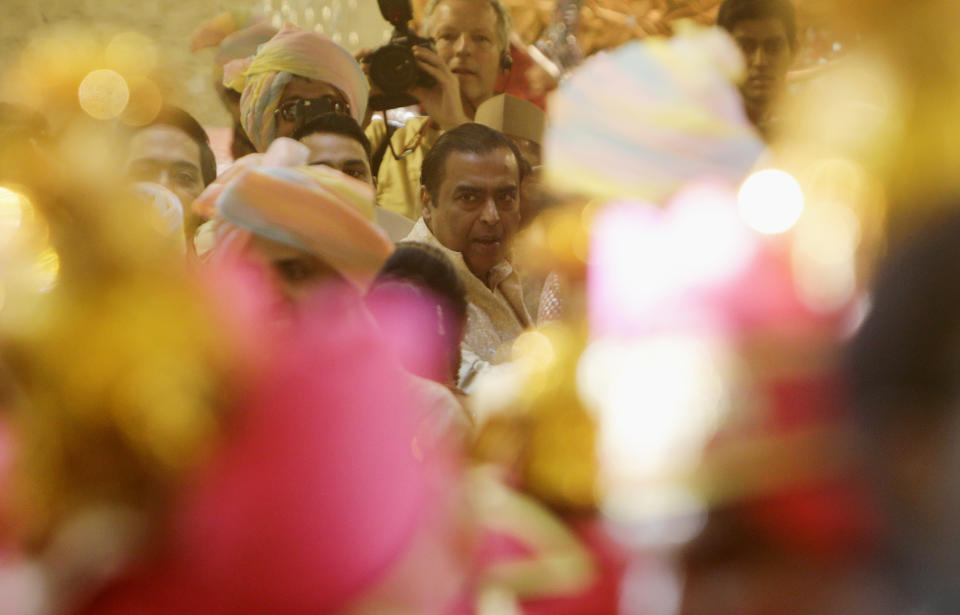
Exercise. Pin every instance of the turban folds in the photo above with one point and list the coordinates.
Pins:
(292, 52)
(313, 208)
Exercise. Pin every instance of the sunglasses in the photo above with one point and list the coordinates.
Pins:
(303, 110)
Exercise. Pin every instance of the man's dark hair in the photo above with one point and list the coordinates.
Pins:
(466, 138)
(733, 12)
(180, 119)
(335, 123)
(904, 362)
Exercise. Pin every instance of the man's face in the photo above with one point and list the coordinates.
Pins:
(303, 88)
(168, 156)
(339, 152)
(298, 273)
(768, 54)
(467, 39)
(476, 209)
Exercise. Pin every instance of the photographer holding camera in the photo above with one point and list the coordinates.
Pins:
(471, 41)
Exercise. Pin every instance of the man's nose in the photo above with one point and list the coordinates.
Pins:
(164, 178)
(759, 57)
(462, 45)
(490, 214)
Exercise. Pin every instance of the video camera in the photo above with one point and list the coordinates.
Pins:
(393, 67)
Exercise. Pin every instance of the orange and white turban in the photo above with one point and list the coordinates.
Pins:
(262, 78)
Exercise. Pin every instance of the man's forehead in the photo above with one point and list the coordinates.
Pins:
(494, 168)
(165, 143)
(762, 28)
(333, 146)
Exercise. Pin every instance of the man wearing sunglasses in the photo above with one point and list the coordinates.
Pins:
(472, 39)
(296, 76)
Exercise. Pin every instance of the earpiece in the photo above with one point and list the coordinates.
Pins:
(506, 61)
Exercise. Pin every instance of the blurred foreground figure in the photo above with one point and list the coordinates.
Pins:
(422, 274)
(904, 370)
(766, 32)
(311, 229)
(314, 500)
(310, 224)
(170, 450)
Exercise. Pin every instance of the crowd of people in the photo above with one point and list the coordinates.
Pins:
(291, 400)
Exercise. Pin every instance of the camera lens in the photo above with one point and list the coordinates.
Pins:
(393, 68)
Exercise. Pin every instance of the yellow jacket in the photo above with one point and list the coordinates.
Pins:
(398, 182)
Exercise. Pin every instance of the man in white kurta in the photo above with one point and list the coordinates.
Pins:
(471, 211)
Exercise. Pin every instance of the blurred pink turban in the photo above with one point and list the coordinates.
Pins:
(263, 77)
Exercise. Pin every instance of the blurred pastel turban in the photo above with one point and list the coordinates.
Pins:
(312, 208)
(650, 117)
(262, 78)
(235, 34)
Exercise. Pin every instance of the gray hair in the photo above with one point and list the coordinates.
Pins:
(504, 21)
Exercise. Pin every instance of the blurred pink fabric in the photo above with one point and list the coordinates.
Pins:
(315, 493)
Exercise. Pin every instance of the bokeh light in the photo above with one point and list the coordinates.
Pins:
(145, 102)
(770, 201)
(824, 258)
(652, 268)
(131, 53)
(11, 214)
(658, 399)
(104, 94)
(47, 269)
(534, 347)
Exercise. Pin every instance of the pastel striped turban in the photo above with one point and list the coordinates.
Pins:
(644, 120)
(262, 78)
(312, 208)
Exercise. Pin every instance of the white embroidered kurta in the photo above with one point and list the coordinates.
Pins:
(496, 313)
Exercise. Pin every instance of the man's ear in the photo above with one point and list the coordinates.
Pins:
(425, 204)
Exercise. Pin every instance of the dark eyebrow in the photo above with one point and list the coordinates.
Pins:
(185, 166)
(467, 188)
(182, 165)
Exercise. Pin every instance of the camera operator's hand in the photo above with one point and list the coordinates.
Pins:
(441, 102)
